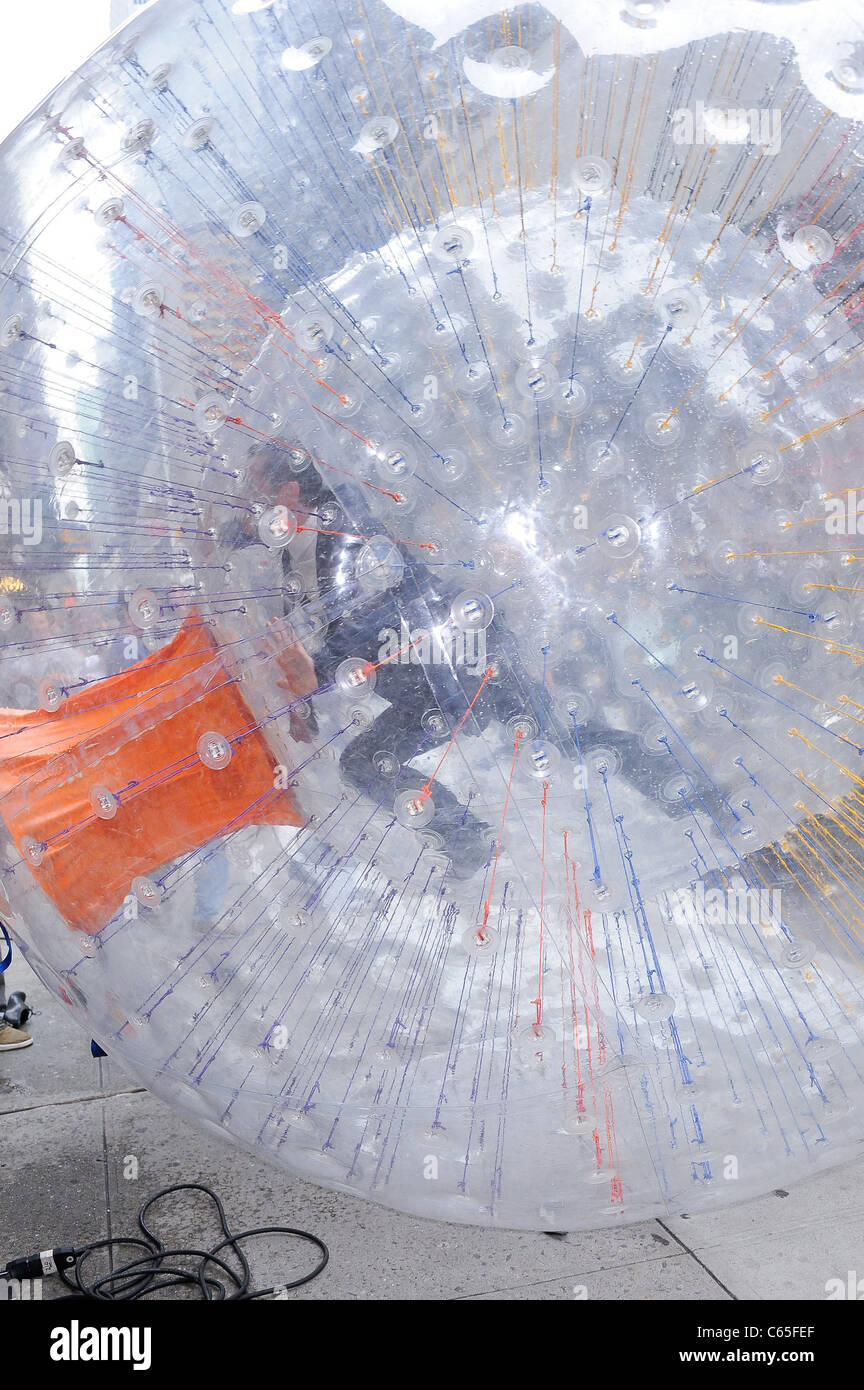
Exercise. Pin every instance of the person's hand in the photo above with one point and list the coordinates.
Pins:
(296, 671)
(289, 496)
(298, 678)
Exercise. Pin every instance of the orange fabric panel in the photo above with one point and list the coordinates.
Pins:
(136, 734)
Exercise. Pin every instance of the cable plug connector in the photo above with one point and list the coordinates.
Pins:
(41, 1265)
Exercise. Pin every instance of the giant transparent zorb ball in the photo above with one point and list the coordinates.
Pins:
(431, 752)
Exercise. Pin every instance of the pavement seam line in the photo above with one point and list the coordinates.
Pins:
(717, 1280)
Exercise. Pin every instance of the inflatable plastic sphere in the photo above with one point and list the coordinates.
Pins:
(432, 729)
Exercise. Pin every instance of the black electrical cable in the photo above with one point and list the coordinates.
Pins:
(160, 1267)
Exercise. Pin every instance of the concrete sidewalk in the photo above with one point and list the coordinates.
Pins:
(81, 1148)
